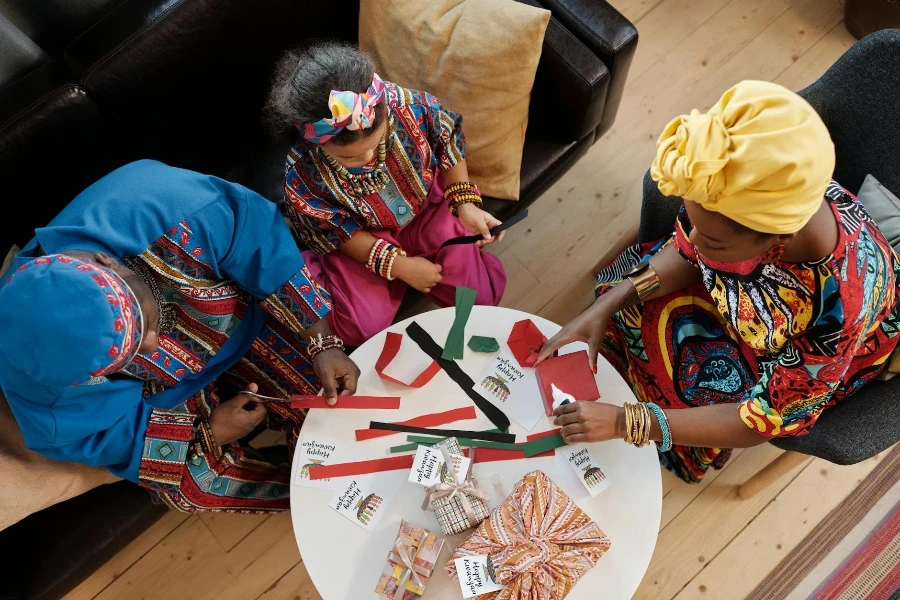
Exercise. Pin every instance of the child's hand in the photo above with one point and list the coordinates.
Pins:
(418, 272)
(478, 221)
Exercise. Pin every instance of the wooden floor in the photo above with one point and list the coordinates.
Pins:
(711, 544)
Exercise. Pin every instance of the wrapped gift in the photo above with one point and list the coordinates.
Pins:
(456, 501)
(409, 563)
(572, 374)
(538, 543)
(525, 342)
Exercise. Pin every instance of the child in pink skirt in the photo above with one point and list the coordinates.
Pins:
(376, 182)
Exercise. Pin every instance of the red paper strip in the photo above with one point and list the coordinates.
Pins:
(394, 463)
(370, 402)
(493, 454)
(432, 420)
(389, 352)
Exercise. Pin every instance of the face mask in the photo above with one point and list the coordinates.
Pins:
(745, 267)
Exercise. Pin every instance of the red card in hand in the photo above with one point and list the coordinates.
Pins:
(363, 402)
(572, 374)
(525, 341)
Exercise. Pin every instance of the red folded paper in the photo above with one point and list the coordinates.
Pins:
(493, 454)
(432, 420)
(525, 341)
(362, 467)
(572, 374)
(365, 402)
(389, 352)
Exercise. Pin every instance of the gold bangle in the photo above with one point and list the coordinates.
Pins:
(627, 408)
(645, 281)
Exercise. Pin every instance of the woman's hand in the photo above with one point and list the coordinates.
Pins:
(478, 221)
(589, 327)
(590, 422)
(337, 372)
(233, 419)
(418, 272)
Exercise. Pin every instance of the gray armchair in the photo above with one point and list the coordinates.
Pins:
(857, 99)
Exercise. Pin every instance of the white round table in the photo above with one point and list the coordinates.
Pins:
(345, 562)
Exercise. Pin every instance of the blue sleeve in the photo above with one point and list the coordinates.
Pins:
(250, 243)
(102, 425)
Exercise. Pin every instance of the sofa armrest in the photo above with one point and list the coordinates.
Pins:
(608, 34)
(570, 87)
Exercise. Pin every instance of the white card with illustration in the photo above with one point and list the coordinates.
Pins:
(512, 389)
(318, 450)
(364, 500)
(586, 468)
(429, 467)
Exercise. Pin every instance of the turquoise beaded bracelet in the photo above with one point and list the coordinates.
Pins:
(666, 443)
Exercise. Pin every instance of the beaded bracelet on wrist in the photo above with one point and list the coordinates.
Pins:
(663, 422)
(382, 257)
(319, 343)
(463, 192)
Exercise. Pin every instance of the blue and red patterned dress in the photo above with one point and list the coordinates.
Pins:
(783, 342)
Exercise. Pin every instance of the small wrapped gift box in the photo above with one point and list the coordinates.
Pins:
(409, 563)
(456, 501)
(525, 342)
(539, 543)
(572, 374)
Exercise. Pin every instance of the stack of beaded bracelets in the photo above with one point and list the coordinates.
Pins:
(461, 193)
(320, 343)
(637, 425)
(381, 258)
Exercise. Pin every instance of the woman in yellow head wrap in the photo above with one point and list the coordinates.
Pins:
(775, 297)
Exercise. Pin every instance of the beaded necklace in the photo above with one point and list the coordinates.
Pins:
(370, 182)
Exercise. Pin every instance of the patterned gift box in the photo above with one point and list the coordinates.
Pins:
(410, 563)
(460, 511)
(538, 541)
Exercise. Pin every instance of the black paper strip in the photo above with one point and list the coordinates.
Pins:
(432, 349)
(487, 436)
(471, 239)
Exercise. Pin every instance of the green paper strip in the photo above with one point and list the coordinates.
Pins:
(551, 442)
(404, 448)
(456, 339)
(478, 343)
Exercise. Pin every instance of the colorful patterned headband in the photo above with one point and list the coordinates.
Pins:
(349, 110)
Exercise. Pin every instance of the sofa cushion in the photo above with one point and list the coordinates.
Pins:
(883, 207)
(479, 57)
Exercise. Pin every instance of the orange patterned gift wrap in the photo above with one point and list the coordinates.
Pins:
(539, 542)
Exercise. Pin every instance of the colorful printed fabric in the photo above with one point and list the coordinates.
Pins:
(224, 258)
(784, 342)
(349, 110)
(538, 541)
(324, 212)
(56, 291)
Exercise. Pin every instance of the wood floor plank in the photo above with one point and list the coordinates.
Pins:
(682, 493)
(229, 529)
(295, 585)
(132, 553)
(817, 59)
(706, 526)
(188, 564)
(775, 531)
(264, 556)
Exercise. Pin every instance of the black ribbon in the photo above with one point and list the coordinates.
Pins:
(471, 239)
(432, 349)
(488, 436)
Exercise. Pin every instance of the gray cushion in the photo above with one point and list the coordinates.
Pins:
(883, 207)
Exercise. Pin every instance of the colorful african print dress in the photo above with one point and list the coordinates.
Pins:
(783, 342)
(324, 213)
(223, 259)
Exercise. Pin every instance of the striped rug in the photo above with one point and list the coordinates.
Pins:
(854, 553)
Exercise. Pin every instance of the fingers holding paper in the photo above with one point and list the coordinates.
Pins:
(337, 372)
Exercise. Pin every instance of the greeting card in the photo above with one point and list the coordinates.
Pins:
(513, 389)
(430, 468)
(586, 468)
(364, 500)
(317, 450)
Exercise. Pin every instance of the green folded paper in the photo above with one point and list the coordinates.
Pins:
(456, 339)
(479, 343)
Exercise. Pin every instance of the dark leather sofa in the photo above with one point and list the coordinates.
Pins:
(88, 85)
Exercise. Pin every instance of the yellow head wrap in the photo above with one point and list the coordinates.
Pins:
(761, 156)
